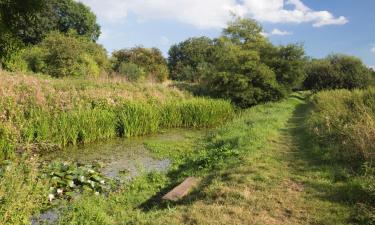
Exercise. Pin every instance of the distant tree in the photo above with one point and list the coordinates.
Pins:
(150, 60)
(186, 59)
(337, 72)
(288, 62)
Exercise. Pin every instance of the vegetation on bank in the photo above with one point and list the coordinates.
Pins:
(42, 115)
(342, 126)
(344, 122)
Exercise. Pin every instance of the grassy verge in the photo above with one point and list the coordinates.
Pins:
(342, 126)
(44, 115)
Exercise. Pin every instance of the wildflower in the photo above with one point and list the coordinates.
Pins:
(59, 191)
(51, 197)
(102, 182)
(96, 193)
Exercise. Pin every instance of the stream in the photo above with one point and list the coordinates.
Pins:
(121, 159)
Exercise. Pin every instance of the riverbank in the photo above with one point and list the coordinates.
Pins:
(44, 114)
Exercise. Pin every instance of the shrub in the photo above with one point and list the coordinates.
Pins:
(149, 60)
(62, 55)
(337, 72)
(132, 71)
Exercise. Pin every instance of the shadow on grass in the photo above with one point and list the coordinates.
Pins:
(335, 181)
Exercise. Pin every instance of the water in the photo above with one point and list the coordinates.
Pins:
(121, 159)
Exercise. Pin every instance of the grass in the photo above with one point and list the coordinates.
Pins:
(262, 168)
(46, 115)
(215, 157)
(344, 122)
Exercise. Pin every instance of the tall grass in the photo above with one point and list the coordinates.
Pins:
(344, 121)
(35, 115)
(22, 193)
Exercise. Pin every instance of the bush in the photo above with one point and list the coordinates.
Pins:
(337, 72)
(62, 55)
(345, 121)
(132, 71)
(149, 60)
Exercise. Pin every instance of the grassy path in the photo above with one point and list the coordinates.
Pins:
(285, 183)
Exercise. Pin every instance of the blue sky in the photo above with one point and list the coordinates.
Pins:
(322, 26)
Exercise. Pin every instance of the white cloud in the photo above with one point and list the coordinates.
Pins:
(213, 13)
(280, 32)
(373, 49)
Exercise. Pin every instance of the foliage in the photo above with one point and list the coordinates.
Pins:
(149, 60)
(22, 193)
(345, 122)
(238, 75)
(67, 180)
(31, 21)
(336, 72)
(66, 55)
(132, 71)
(241, 65)
(49, 115)
(185, 58)
(288, 62)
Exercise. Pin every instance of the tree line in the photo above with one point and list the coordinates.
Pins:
(58, 37)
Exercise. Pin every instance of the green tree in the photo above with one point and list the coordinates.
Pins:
(239, 75)
(288, 62)
(187, 59)
(62, 55)
(24, 22)
(150, 60)
(337, 72)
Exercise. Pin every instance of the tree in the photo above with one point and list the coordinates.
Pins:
(288, 63)
(337, 72)
(62, 55)
(239, 75)
(25, 22)
(187, 59)
(150, 60)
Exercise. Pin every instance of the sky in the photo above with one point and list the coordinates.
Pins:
(322, 26)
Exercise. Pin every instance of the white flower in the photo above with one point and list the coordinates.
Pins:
(102, 182)
(59, 191)
(96, 193)
(51, 197)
